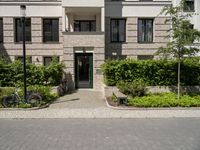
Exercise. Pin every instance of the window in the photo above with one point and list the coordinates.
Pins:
(18, 30)
(48, 60)
(21, 58)
(191, 26)
(144, 57)
(1, 30)
(85, 26)
(145, 30)
(51, 30)
(118, 30)
(189, 5)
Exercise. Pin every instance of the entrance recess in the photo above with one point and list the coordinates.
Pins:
(84, 70)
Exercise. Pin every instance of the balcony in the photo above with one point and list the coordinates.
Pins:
(83, 3)
(76, 16)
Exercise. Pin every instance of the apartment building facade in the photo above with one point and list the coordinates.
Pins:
(84, 33)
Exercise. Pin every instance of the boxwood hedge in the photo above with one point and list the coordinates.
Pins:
(11, 74)
(153, 72)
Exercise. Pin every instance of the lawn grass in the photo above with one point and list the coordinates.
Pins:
(165, 100)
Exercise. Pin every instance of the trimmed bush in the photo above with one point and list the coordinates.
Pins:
(152, 72)
(11, 74)
(134, 88)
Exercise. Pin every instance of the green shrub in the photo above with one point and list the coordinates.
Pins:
(5, 92)
(152, 72)
(11, 74)
(134, 88)
(165, 100)
(44, 91)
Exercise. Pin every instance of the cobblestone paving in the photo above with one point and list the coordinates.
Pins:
(90, 104)
(100, 134)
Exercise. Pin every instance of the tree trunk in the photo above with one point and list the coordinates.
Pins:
(179, 74)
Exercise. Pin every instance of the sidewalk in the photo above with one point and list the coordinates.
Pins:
(90, 104)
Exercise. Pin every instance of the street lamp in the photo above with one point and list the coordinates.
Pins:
(23, 20)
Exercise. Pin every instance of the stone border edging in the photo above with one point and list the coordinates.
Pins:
(135, 108)
(26, 109)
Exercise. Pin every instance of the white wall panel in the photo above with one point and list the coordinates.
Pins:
(32, 11)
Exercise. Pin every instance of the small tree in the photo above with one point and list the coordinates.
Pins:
(181, 34)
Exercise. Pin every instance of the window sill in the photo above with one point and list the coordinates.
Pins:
(112, 42)
(22, 42)
(51, 42)
(146, 43)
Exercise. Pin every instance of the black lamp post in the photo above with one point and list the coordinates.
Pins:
(23, 19)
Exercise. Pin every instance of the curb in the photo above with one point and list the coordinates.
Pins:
(135, 108)
(25, 109)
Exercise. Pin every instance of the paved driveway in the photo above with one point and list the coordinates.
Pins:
(90, 104)
(81, 99)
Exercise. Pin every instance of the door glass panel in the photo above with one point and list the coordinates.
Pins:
(83, 71)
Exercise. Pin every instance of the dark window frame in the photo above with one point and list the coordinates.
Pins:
(90, 25)
(20, 58)
(51, 57)
(16, 31)
(146, 32)
(118, 36)
(52, 34)
(1, 30)
(187, 7)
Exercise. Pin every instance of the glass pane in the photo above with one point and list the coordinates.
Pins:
(93, 26)
(19, 30)
(141, 30)
(76, 26)
(47, 61)
(28, 29)
(85, 26)
(122, 30)
(55, 30)
(149, 29)
(145, 30)
(51, 30)
(114, 30)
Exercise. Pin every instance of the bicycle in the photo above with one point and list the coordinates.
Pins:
(33, 98)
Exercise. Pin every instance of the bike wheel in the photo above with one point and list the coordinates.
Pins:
(9, 101)
(34, 99)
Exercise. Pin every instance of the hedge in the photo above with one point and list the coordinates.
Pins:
(153, 72)
(11, 74)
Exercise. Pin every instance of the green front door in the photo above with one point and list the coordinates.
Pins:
(84, 70)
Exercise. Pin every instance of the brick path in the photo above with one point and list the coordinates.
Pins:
(90, 104)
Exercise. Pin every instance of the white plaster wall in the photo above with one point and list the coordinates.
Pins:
(31, 10)
(135, 10)
(83, 3)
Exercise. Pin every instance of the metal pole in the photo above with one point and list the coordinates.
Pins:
(24, 57)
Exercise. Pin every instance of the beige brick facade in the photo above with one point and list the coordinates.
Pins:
(131, 48)
(97, 43)
(36, 48)
(91, 43)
